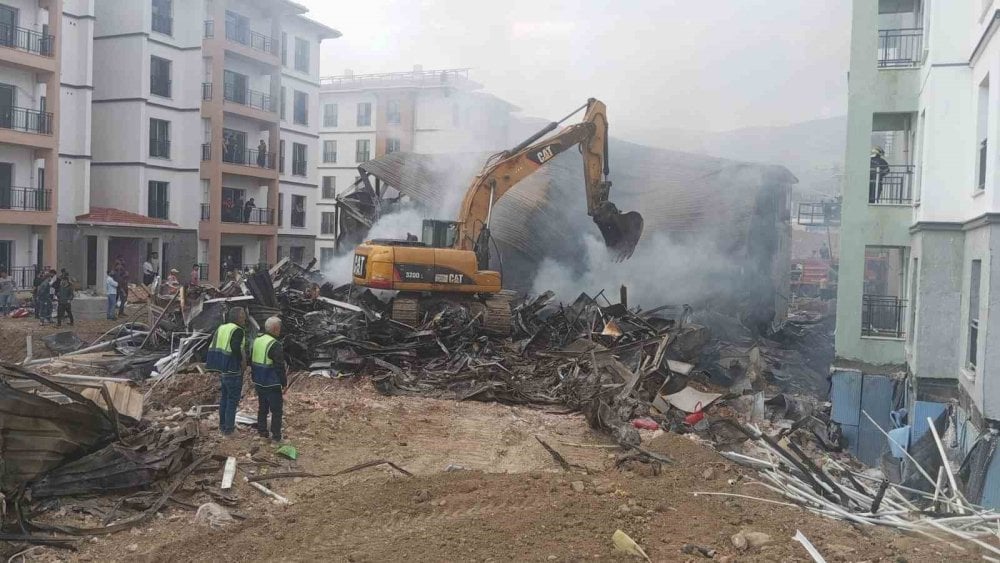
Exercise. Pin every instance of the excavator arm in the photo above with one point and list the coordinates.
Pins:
(621, 231)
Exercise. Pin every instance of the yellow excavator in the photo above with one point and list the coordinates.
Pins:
(451, 261)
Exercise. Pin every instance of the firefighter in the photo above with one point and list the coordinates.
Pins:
(227, 357)
(267, 368)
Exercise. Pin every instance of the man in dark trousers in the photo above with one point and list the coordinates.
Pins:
(248, 208)
(267, 367)
(65, 293)
(227, 357)
(879, 168)
(44, 292)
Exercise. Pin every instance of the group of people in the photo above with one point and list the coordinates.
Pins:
(51, 287)
(229, 355)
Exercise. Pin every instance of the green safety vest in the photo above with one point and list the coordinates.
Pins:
(220, 353)
(261, 365)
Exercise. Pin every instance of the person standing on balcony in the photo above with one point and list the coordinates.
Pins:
(877, 172)
(6, 294)
(248, 208)
(261, 153)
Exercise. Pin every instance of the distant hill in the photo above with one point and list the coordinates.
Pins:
(812, 150)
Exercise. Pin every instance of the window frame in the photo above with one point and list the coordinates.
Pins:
(327, 121)
(302, 57)
(302, 199)
(158, 203)
(152, 76)
(975, 298)
(391, 145)
(328, 223)
(392, 112)
(300, 159)
(367, 114)
(296, 96)
(328, 188)
(156, 140)
(329, 157)
(358, 153)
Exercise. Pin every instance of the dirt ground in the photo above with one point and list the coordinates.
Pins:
(483, 490)
(13, 345)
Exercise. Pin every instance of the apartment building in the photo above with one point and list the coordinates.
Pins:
(368, 115)
(298, 148)
(32, 59)
(918, 285)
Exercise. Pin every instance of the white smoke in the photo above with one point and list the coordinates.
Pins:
(407, 219)
(660, 272)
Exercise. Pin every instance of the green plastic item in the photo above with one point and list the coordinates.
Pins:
(288, 451)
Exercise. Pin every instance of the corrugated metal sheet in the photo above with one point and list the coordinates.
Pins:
(845, 395)
(876, 400)
(991, 485)
(851, 436)
(922, 410)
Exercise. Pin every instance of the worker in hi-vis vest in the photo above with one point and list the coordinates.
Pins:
(227, 357)
(267, 368)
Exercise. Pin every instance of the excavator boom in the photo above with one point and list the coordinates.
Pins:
(621, 231)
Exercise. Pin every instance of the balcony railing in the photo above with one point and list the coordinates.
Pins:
(255, 216)
(882, 316)
(26, 40)
(163, 24)
(891, 185)
(330, 157)
(249, 98)
(205, 212)
(299, 167)
(254, 158)
(254, 40)
(159, 148)
(25, 199)
(206, 151)
(900, 48)
(23, 119)
(22, 276)
(206, 91)
(819, 214)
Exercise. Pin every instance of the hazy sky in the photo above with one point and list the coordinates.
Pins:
(689, 64)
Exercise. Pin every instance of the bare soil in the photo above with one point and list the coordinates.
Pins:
(483, 490)
(13, 345)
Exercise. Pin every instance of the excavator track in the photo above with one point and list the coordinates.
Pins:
(406, 310)
(497, 317)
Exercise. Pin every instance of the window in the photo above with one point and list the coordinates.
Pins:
(301, 108)
(159, 77)
(281, 156)
(329, 187)
(282, 103)
(163, 21)
(330, 151)
(364, 114)
(301, 55)
(158, 203)
(330, 115)
(392, 112)
(281, 210)
(975, 275)
(362, 151)
(298, 159)
(328, 223)
(235, 87)
(297, 254)
(326, 256)
(159, 138)
(299, 210)
(883, 303)
(391, 145)
(982, 133)
(284, 49)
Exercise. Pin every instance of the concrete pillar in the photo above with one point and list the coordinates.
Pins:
(103, 262)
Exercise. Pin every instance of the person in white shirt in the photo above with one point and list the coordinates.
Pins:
(111, 288)
(149, 271)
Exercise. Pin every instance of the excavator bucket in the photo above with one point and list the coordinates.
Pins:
(621, 230)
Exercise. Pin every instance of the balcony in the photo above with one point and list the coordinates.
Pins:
(25, 199)
(891, 185)
(882, 316)
(254, 40)
(27, 120)
(163, 24)
(821, 214)
(256, 216)
(250, 157)
(23, 277)
(900, 48)
(249, 98)
(205, 212)
(26, 40)
(206, 151)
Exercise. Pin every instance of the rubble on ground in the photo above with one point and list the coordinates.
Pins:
(633, 373)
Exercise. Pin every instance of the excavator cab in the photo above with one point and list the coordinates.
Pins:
(439, 234)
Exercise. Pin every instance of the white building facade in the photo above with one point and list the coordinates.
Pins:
(368, 115)
(919, 290)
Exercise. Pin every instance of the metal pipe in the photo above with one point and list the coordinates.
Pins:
(489, 212)
(545, 130)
